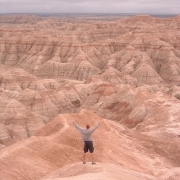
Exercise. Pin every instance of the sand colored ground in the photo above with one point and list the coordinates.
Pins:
(54, 71)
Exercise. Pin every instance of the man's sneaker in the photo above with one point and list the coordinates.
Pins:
(84, 162)
(93, 163)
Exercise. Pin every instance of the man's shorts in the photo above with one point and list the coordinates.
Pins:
(88, 145)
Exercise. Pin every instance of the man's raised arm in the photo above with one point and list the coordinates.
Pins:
(95, 127)
(78, 127)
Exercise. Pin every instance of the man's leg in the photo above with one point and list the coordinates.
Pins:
(84, 158)
(85, 150)
(91, 149)
(92, 157)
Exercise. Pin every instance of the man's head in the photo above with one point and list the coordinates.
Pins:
(87, 126)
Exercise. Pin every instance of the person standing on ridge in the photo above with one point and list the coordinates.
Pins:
(86, 136)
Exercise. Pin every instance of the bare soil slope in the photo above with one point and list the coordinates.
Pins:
(59, 144)
(55, 70)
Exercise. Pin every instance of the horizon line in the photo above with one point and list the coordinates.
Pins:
(83, 13)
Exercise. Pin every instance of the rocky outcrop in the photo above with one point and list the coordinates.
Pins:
(56, 65)
(80, 50)
(55, 152)
(53, 70)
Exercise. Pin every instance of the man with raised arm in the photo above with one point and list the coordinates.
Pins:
(86, 137)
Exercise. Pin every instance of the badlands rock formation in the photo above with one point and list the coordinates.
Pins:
(55, 70)
(55, 153)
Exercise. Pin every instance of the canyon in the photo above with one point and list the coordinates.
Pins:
(124, 72)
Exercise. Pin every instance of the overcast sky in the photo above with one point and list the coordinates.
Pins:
(90, 6)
